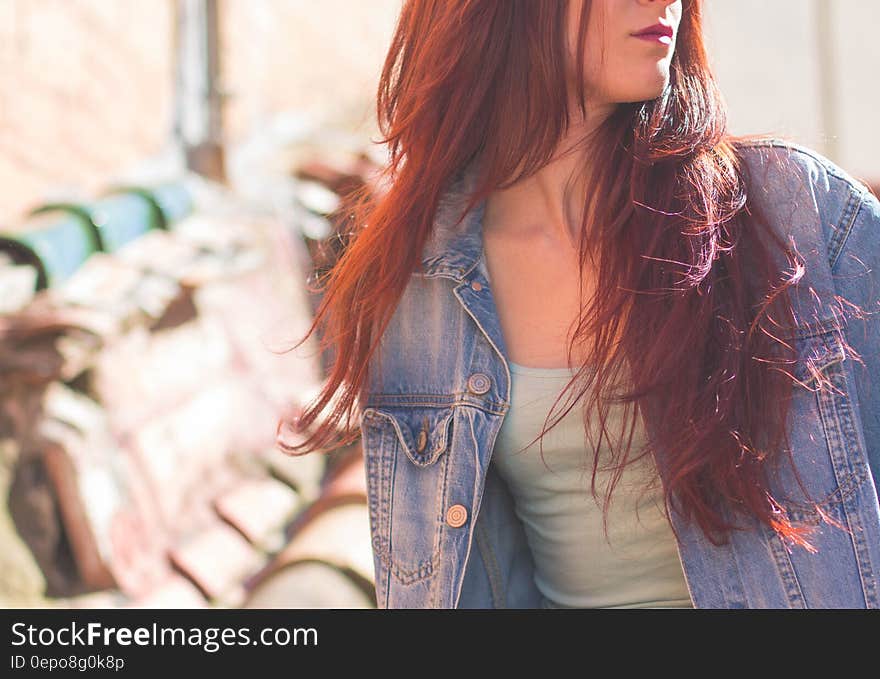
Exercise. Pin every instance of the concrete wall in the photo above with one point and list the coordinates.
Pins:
(804, 68)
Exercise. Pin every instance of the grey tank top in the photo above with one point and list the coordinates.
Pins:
(638, 566)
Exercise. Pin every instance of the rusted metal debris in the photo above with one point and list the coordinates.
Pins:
(142, 396)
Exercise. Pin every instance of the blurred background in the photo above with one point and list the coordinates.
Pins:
(168, 173)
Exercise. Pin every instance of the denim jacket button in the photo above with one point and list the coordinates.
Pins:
(456, 516)
(478, 383)
(476, 285)
(422, 440)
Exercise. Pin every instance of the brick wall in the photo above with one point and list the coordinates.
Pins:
(87, 86)
(85, 90)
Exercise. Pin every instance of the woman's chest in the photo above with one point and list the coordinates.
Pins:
(537, 294)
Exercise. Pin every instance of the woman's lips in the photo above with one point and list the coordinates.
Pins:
(655, 38)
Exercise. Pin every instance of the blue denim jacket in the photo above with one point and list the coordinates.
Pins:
(444, 531)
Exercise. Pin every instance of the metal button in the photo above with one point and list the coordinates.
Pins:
(479, 383)
(456, 516)
(476, 285)
(422, 440)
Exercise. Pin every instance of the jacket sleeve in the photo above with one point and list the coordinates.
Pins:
(856, 275)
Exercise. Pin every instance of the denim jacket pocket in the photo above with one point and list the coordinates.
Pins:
(825, 446)
(422, 432)
(405, 458)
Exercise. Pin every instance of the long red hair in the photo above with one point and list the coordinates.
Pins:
(686, 279)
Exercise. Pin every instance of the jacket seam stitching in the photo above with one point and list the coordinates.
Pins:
(493, 572)
(838, 242)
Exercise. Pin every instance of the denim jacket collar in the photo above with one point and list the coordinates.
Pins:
(455, 248)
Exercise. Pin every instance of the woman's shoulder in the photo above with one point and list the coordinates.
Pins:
(786, 164)
(809, 197)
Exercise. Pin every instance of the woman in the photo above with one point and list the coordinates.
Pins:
(566, 221)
